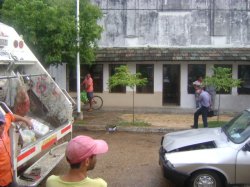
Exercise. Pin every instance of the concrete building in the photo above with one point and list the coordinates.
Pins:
(171, 42)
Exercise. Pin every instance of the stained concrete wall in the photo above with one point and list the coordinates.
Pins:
(174, 23)
(171, 23)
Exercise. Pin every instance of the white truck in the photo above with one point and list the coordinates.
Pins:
(27, 89)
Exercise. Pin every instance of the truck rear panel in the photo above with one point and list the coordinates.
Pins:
(27, 89)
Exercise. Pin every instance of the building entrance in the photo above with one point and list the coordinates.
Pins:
(171, 84)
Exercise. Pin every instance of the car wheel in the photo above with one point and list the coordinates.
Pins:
(205, 178)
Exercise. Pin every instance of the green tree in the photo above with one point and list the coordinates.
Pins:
(124, 77)
(1, 3)
(49, 28)
(221, 80)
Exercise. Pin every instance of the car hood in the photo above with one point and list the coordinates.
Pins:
(185, 138)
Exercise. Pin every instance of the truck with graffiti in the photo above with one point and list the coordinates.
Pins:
(27, 89)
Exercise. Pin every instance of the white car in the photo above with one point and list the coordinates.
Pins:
(213, 157)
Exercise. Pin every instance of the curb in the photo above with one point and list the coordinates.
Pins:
(126, 129)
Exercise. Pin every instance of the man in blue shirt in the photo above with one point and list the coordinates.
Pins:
(205, 104)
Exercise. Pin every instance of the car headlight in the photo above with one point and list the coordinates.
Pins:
(169, 164)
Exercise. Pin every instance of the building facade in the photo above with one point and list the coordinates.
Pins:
(171, 42)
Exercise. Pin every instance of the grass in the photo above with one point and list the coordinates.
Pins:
(79, 122)
(136, 123)
(139, 123)
(212, 124)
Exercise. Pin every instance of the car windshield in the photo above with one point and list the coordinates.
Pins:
(238, 129)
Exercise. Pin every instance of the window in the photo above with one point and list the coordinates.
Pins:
(244, 75)
(96, 72)
(195, 71)
(147, 71)
(223, 66)
(119, 88)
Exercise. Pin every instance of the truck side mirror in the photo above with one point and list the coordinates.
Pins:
(246, 147)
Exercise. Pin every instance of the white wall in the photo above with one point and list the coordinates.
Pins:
(233, 102)
(228, 102)
(158, 73)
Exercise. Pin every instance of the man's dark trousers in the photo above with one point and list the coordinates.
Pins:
(201, 111)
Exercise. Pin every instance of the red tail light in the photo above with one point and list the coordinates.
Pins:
(15, 43)
(21, 44)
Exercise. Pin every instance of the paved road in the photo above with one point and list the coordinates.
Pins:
(132, 160)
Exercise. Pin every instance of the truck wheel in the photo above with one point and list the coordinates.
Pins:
(205, 178)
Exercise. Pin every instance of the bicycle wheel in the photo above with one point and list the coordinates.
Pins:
(97, 102)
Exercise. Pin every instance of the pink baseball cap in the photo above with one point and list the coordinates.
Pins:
(82, 147)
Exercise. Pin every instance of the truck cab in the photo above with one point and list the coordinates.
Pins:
(27, 89)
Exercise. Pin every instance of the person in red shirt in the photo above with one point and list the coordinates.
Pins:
(6, 175)
(22, 102)
(89, 88)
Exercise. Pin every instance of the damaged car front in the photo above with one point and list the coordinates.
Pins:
(208, 156)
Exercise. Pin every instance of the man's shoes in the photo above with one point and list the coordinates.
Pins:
(193, 127)
(89, 110)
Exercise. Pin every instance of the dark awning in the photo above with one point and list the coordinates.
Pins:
(172, 54)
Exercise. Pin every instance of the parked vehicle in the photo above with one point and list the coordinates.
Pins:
(27, 89)
(213, 157)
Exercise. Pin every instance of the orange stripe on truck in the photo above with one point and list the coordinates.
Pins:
(49, 142)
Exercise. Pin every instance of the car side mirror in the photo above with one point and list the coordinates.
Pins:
(246, 147)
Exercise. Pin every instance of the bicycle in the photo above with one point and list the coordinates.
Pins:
(97, 101)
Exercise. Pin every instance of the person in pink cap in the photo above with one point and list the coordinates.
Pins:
(81, 154)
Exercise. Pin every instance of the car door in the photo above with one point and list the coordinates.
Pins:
(243, 164)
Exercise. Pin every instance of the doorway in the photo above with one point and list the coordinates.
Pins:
(171, 84)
